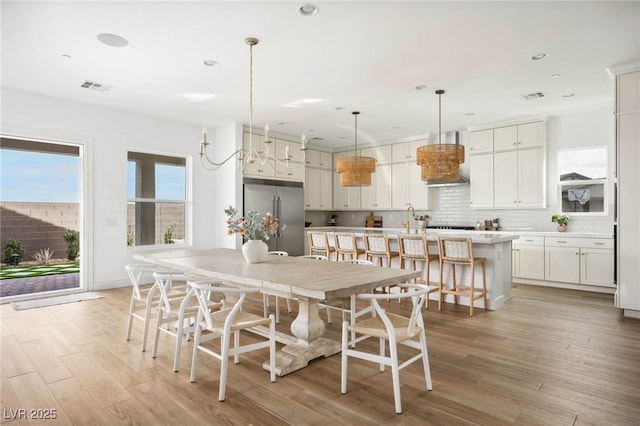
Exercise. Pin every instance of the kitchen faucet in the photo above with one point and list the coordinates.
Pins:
(408, 224)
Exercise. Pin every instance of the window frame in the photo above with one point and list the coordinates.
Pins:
(186, 202)
(604, 182)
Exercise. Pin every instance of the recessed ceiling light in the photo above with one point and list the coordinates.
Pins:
(308, 9)
(311, 130)
(339, 108)
(568, 95)
(539, 56)
(282, 123)
(113, 40)
(421, 86)
(555, 75)
(211, 63)
(469, 114)
(66, 56)
(396, 127)
(342, 137)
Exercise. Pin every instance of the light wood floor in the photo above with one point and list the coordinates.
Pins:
(548, 357)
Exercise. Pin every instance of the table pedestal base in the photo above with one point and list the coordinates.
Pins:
(306, 343)
(294, 357)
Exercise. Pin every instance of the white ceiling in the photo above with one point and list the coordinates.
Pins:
(363, 55)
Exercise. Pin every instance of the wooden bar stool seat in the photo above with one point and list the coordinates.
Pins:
(319, 244)
(346, 246)
(414, 249)
(459, 251)
(376, 246)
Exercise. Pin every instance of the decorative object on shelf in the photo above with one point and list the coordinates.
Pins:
(440, 162)
(355, 170)
(252, 154)
(253, 229)
(562, 220)
(333, 219)
(495, 222)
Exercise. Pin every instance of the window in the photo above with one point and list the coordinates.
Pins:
(582, 180)
(157, 199)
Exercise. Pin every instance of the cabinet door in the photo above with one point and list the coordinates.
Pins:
(481, 141)
(326, 160)
(596, 267)
(312, 190)
(312, 158)
(400, 185)
(562, 264)
(345, 197)
(505, 138)
(505, 183)
(326, 190)
(481, 187)
(378, 195)
(400, 152)
(418, 191)
(260, 170)
(382, 154)
(528, 262)
(531, 178)
(531, 135)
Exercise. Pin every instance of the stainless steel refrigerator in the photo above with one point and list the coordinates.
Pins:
(284, 200)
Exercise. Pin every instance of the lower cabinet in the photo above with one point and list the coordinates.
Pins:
(570, 260)
(528, 258)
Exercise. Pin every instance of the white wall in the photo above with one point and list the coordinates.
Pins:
(108, 134)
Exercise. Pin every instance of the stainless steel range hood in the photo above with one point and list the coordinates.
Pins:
(449, 137)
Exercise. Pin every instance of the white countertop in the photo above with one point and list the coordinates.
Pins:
(485, 236)
(477, 237)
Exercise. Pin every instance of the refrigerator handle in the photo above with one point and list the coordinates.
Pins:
(276, 209)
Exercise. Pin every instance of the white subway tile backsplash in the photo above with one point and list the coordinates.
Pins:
(450, 207)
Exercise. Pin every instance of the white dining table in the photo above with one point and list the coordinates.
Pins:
(309, 281)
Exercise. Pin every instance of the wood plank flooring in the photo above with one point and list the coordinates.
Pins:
(548, 357)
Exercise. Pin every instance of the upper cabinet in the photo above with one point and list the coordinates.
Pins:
(283, 150)
(382, 154)
(481, 141)
(512, 175)
(529, 135)
(318, 159)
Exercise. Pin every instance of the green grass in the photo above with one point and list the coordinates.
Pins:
(8, 272)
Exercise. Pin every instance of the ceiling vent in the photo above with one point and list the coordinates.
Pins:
(534, 95)
(95, 86)
(317, 138)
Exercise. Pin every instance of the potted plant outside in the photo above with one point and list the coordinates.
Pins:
(562, 220)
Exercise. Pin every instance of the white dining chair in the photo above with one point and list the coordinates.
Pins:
(145, 300)
(222, 324)
(313, 257)
(176, 313)
(347, 305)
(394, 329)
(265, 296)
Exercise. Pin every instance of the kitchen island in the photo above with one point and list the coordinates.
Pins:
(494, 246)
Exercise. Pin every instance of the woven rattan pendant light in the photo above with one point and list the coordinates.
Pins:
(355, 170)
(440, 162)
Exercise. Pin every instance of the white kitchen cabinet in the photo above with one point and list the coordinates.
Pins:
(288, 149)
(294, 170)
(318, 189)
(562, 264)
(518, 178)
(345, 197)
(481, 141)
(528, 257)
(378, 195)
(318, 159)
(596, 267)
(481, 188)
(587, 261)
(257, 168)
(407, 189)
(382, 154)
(527, 135)
(505, 179)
